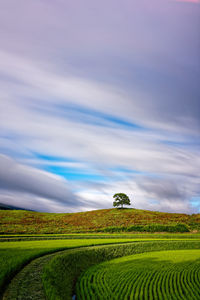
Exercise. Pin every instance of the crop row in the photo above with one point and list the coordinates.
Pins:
(121, 235)
(70, 266)
(147, 276)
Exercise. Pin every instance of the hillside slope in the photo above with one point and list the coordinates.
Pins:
(106, 220)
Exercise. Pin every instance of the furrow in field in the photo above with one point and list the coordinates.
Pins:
(163, 275)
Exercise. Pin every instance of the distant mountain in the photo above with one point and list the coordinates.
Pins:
(11, 207)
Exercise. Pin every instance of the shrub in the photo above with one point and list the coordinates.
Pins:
(148, 228)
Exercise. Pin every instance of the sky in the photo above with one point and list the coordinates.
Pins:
(98, 98)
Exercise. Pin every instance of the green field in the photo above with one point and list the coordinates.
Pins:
(14, 255)
(79, 261)
(54, 276)
(52, 256)
(154, 275)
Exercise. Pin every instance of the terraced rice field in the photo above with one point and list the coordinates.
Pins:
(14, 255)
(55, 276)
(170, 275)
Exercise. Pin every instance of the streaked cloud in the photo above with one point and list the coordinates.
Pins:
(96, 100)
(189, 1)
(18, 178)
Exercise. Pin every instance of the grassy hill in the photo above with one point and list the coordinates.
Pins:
(105, 220)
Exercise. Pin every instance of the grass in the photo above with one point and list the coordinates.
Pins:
(154, 275)
(121, 235)
(28, 222)
(78, 261)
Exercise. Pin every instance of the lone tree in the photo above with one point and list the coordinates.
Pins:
(121, 199)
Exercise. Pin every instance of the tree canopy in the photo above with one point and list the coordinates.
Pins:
(121, 199)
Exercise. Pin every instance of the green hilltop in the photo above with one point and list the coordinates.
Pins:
(104, 220)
